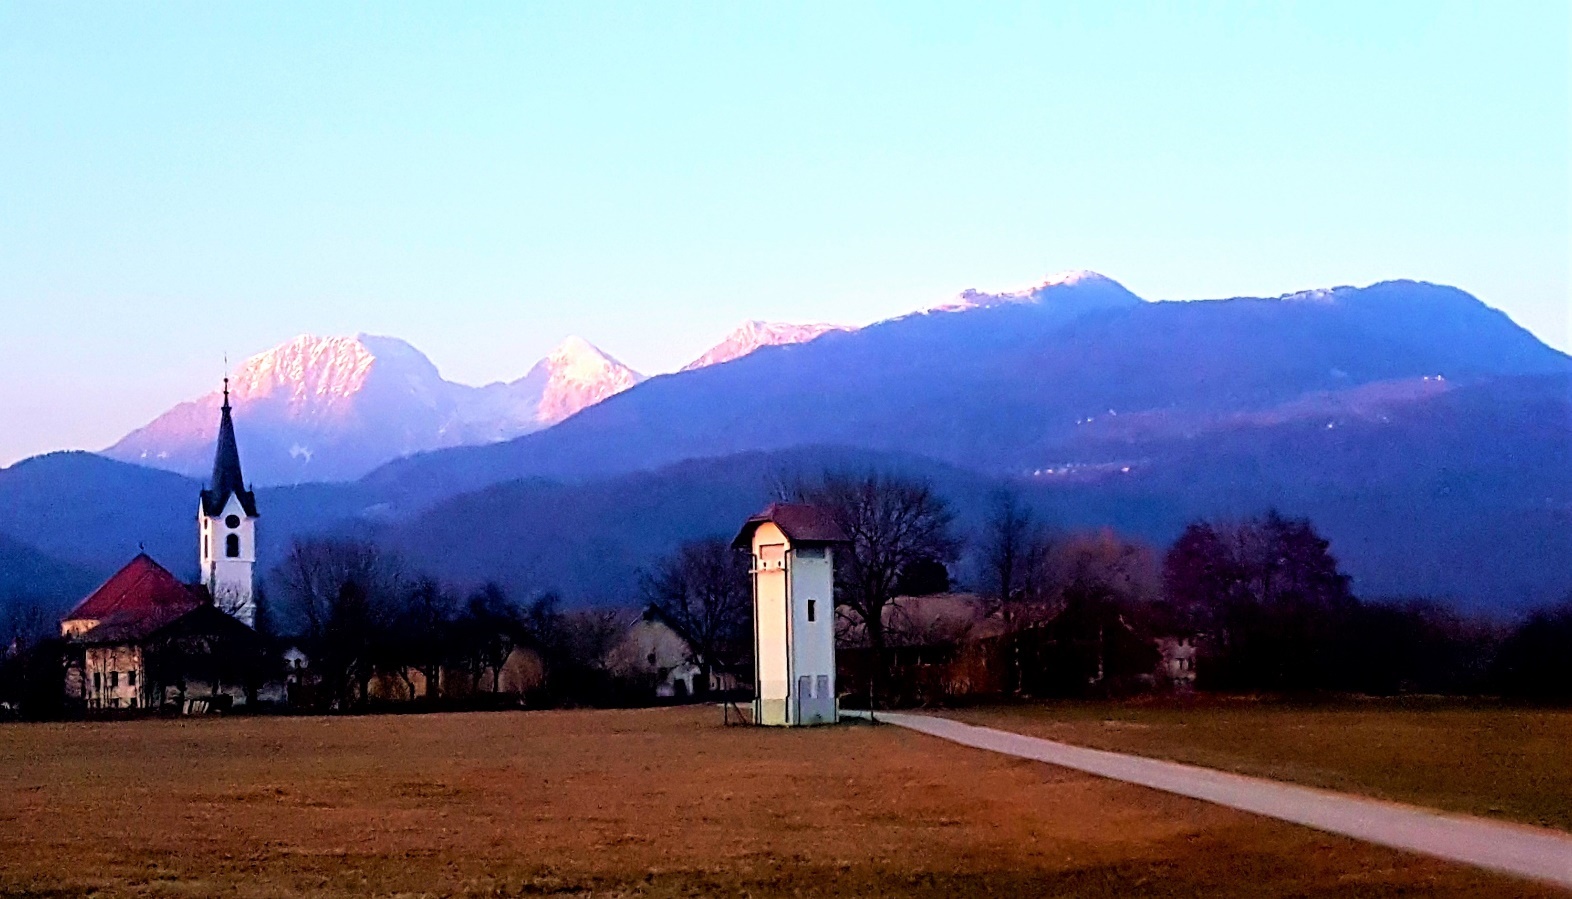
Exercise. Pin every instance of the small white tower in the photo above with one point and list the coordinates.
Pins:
(793, 549)
(227, 517)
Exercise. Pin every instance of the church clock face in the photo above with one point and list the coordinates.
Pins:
(232, 522)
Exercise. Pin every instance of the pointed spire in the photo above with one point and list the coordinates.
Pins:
(227, 477)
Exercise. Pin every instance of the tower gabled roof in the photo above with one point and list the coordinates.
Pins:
(227, 477)
(802, 524)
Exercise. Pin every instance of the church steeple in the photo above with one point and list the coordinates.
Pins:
(228, 480)
(227, 521)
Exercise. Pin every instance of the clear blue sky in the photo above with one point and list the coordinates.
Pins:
(177, 181)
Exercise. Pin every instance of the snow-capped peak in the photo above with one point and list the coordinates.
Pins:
(754, 334)
(1080, 286)
(574, 375)
(577, 358)
(327, 408)
(1075, 276)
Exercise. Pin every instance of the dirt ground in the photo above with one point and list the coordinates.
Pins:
(1501, 762)
(628, 803)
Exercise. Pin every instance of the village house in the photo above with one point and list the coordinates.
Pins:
(1177, 656)
(519, 671)
(950, 647)
(145, 639)
(655, 649)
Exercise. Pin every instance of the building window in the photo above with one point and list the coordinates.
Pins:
(811, 604)
(131, 678)
(114, 679)
(232, 522)
(232, 546)
(98, 680)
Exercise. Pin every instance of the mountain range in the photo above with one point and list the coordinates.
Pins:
(1008, 384)
(334, 408)
(1426, 434)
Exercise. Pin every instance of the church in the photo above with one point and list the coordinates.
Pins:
(144, 639)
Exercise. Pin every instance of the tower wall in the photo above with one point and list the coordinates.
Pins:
(794, 630)
(229, 579)
(771, 625)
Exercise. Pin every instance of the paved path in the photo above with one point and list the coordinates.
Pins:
(1544, 855)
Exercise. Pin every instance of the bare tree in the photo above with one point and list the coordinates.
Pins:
(702, 588)
(893, 522)
(421, 628)
(491, 628)
(342, 595)
(1271, 596)
(1015, 550)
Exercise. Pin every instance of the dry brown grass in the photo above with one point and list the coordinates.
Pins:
(649, 803)
(1509, 763)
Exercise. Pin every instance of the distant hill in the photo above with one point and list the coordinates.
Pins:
(1005, 383)
(1459, 494)
(333, 408)
(30, 579)
(96, 513)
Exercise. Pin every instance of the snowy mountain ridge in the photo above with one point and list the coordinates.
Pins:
(329, 408)
(754, 334)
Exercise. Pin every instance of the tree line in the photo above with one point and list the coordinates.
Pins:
(1263, 598)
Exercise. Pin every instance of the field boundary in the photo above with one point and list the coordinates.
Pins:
(1531, 852)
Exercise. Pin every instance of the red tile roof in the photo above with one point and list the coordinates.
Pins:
(801, 523)
(137, 600)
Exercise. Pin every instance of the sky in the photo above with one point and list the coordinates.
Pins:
(182, 181)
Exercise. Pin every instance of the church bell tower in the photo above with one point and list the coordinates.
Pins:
(227, 517)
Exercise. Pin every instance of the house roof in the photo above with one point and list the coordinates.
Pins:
(800, 522)
(227, 477)
(140, 598)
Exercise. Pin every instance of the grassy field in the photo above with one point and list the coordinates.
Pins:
(633, 803)
(1508, 763)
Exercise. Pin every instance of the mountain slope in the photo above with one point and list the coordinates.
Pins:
(31, 581)
(333, 408)
(96, 513)
(754, 334)
(1455, 493)
(1007, 384)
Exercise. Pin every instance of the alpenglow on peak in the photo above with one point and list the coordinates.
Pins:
(751, 335)
(333, 408)
(1079, 289)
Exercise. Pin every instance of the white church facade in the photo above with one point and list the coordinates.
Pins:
(793, 549)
